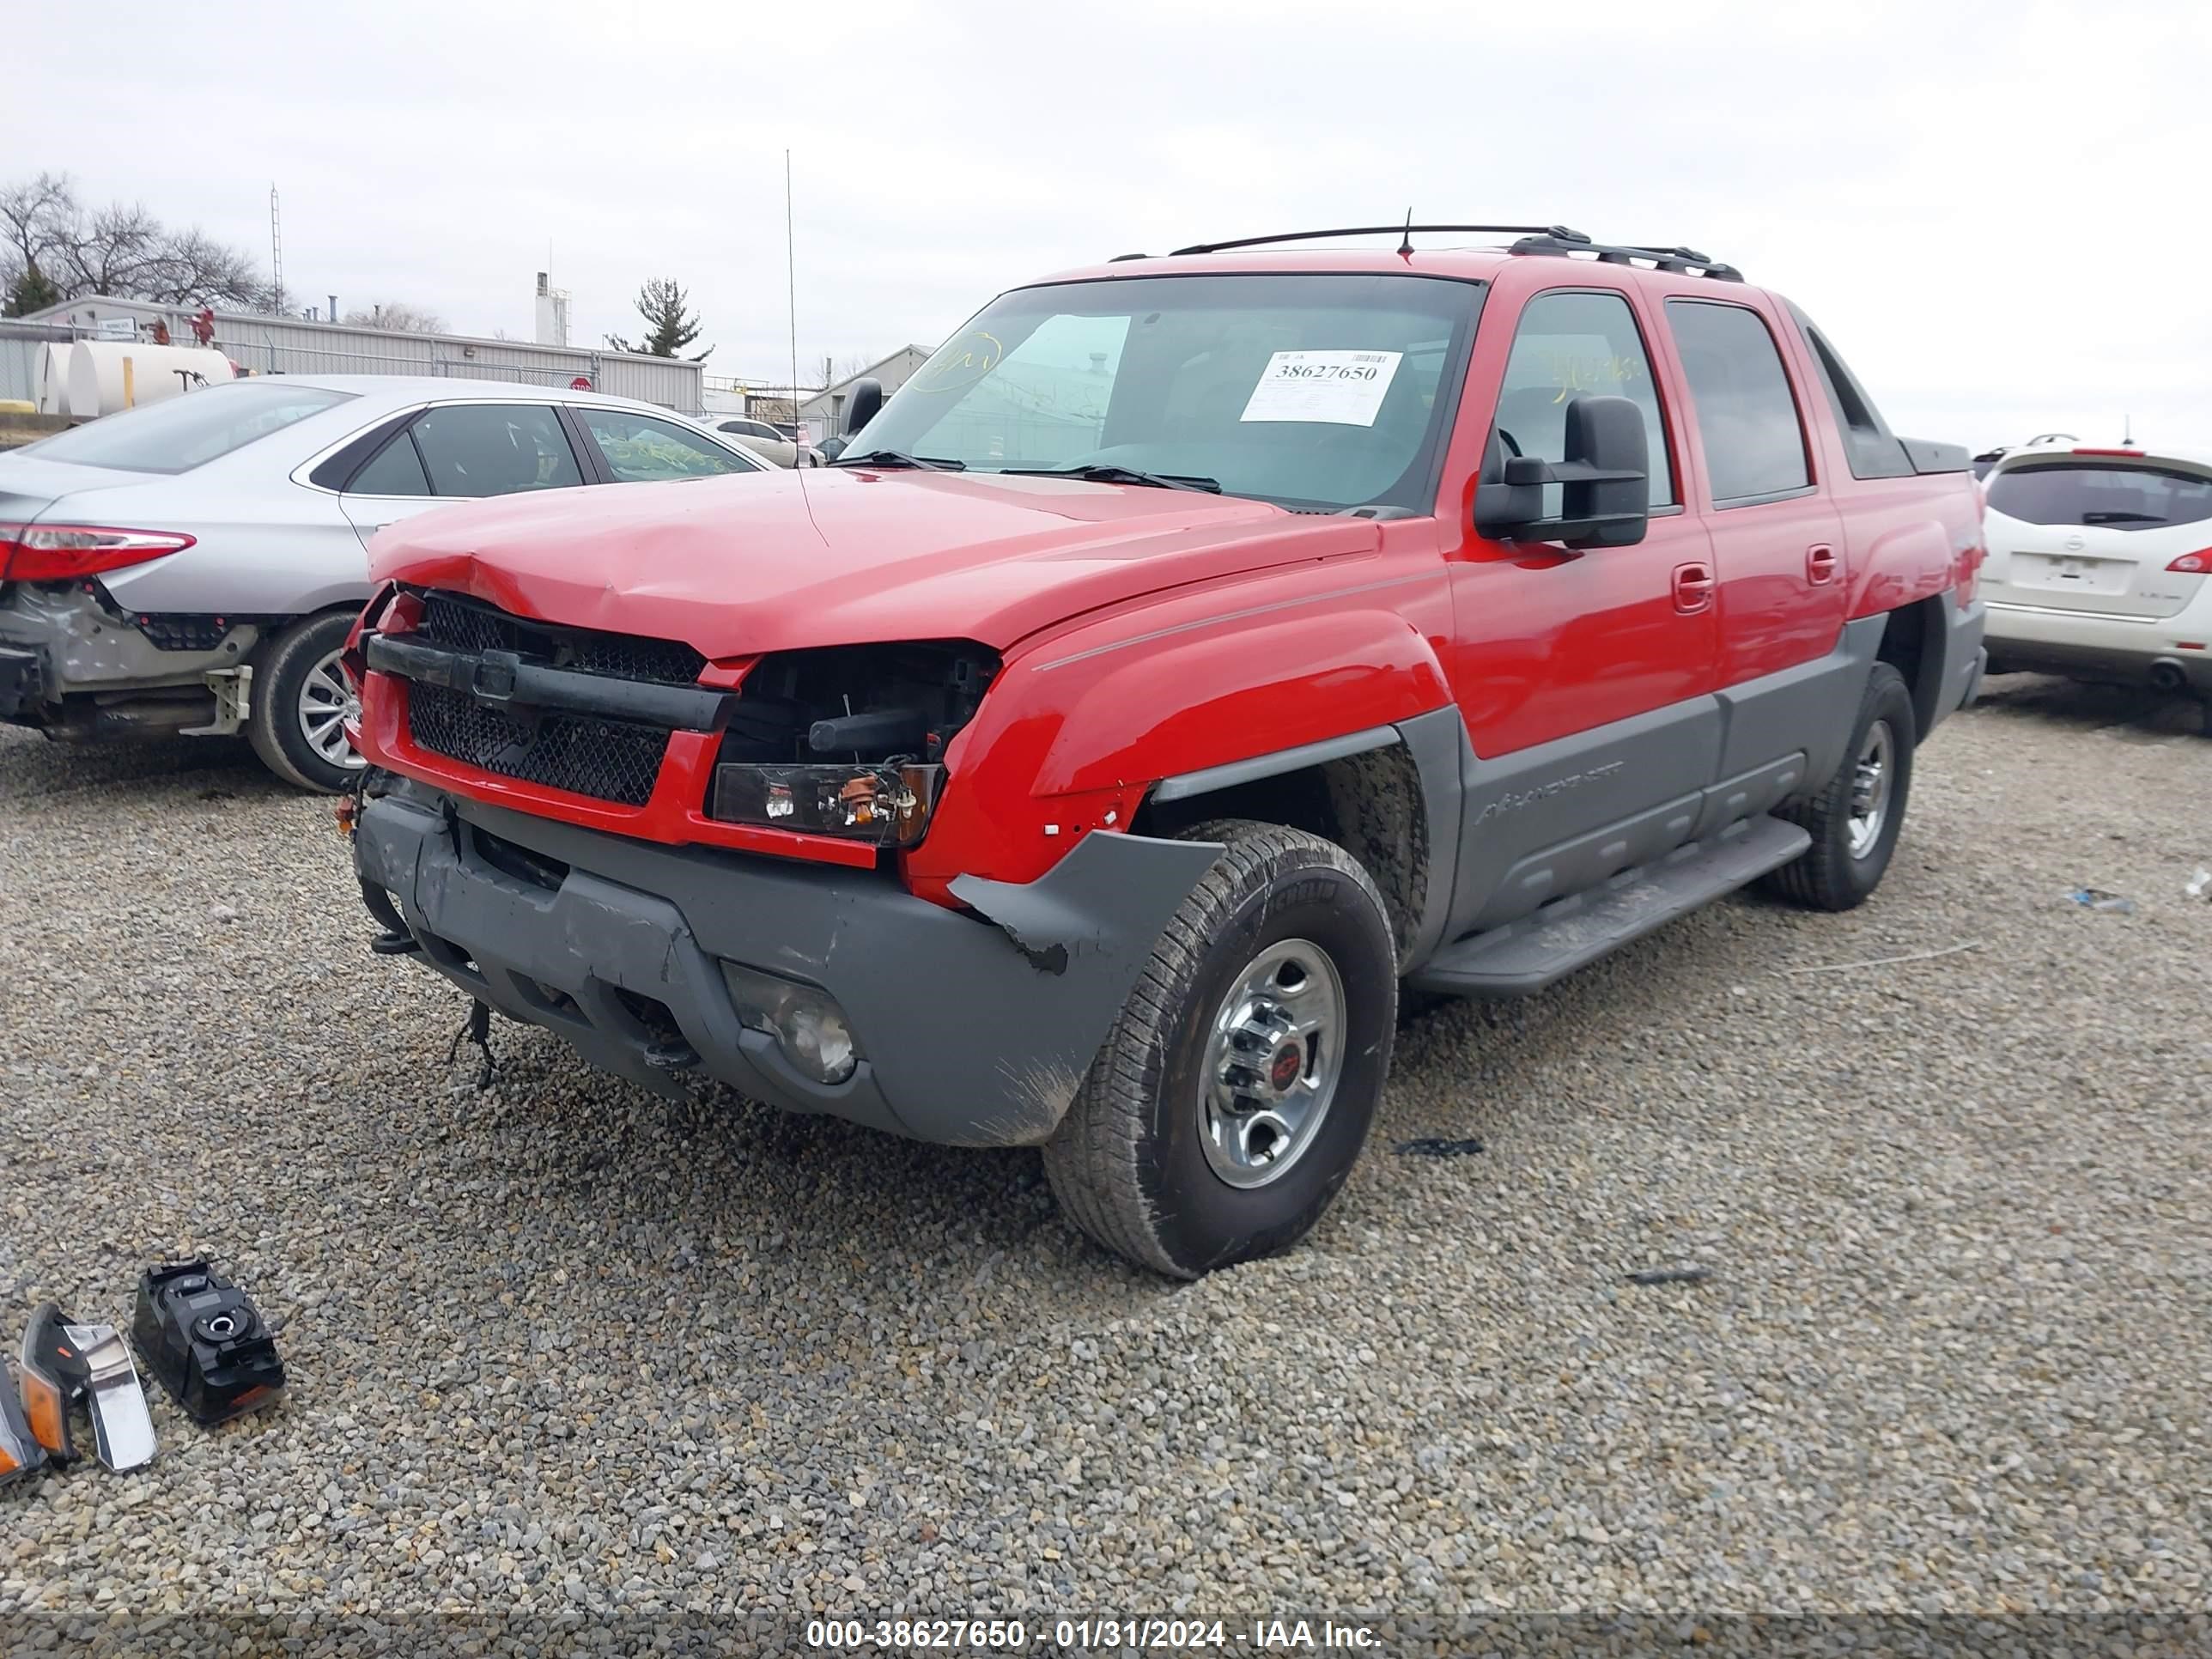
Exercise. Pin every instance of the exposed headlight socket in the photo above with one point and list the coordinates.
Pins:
(806, 1023)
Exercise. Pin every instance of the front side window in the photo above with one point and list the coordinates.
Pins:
(2109, 495)
(495, 449)
(641, 450)
(181, 433)
(1754, 439)
(1571, 344)
(1322, 391)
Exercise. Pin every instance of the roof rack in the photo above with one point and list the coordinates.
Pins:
(1554, 240)
(1683, 261)
(1406, 229)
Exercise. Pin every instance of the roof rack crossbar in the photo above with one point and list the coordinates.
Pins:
(1558, 232)
(1682, 261)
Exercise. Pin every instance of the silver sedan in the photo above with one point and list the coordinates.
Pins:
(193, 566)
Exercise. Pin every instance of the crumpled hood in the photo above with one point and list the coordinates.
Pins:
(741, 564)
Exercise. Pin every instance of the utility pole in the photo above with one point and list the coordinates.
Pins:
(277, 253)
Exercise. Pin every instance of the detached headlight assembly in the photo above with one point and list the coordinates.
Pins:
(806, 1023)
(887, 804)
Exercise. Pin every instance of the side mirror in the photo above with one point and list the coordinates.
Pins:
(861, 403)
(1605, 498)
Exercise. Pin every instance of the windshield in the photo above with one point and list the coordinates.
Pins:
(181, 433)
(1310, 391)
(2110, 497)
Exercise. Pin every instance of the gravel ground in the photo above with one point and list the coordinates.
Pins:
(560, 1347)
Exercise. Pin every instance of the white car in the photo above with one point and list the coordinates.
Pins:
(784, 445)
(2100, 565)
(193, 565)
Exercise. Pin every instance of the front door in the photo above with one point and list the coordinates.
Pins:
(1584, 678)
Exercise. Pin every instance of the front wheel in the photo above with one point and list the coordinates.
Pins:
(1854, 820)
(301, 705)
(1232, 1096)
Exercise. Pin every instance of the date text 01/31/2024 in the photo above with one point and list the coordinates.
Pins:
(1079, 1635)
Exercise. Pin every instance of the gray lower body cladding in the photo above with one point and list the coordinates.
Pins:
(974, 1030)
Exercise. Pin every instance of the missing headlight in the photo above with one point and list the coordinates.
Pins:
(847, 740)
(857, 702)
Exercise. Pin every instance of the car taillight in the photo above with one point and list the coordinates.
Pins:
(64, 552)
(2198, 563)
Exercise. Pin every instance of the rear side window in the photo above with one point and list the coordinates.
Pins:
(1868, 445)
(641, 450)
(397, 471)
(1570, 345)
(181, 433)
(495, 449)
(2109, 497)
(1754, 440)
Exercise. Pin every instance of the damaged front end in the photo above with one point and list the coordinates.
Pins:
(811, 988)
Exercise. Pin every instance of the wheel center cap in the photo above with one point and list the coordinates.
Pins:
(1282, 1070)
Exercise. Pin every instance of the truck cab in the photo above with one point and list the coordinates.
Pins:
(1196, 654)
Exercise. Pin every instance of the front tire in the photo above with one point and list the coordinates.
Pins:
(1234, 1092)
(1854, 820)
(300, 699)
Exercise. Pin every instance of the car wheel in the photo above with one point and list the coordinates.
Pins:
(1854, 820)
(1232, 1096)
(300, 704)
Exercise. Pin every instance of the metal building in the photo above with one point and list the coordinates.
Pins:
(262, 344)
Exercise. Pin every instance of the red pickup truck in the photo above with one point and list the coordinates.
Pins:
(1195, 650)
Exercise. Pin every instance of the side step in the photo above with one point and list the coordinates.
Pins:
(1526, 955)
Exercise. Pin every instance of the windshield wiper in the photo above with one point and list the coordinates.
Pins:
(1103, 473)
(2102, 515)
(900, 457)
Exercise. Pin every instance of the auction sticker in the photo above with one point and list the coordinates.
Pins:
(1344, 388)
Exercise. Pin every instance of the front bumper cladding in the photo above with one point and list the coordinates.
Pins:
(972, 1029)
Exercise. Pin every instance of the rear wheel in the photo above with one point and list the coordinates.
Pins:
(1854, 820)
(300, 704)
(1234, 1092)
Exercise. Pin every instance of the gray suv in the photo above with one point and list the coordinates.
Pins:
(193, 566)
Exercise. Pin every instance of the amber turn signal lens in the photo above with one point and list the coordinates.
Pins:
(42, 1408)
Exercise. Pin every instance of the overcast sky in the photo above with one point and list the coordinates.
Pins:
(1997, 211)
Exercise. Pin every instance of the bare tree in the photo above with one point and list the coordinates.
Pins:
(399, 318)
(837, 370)
(36, 222)
(120, 251)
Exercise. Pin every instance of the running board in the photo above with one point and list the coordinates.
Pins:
(1526, 955)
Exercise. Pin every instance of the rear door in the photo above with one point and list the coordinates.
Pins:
(1778, 538)
(460, 452)
(2098, 531)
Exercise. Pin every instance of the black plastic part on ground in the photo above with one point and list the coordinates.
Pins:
(203, 1338)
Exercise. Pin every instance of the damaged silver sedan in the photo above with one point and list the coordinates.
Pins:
(192, 566)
